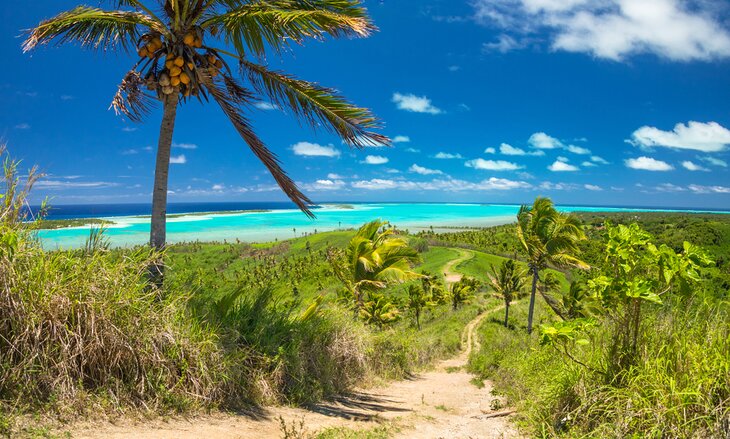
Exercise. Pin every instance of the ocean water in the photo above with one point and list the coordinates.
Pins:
(192, 223)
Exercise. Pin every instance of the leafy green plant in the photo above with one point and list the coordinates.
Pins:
(461, 292)
(418, 300)
(378, 311)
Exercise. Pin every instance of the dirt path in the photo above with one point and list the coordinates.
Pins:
(442, 403)
(450, 275)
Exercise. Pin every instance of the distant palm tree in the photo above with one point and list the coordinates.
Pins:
(374, 259)
(507, 282)
(461, 292)
(547, 237)
(182, 47)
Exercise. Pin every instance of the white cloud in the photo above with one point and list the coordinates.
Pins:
(561, 158)
(443, 185)
(587, 164)
(599, 160)
(492, 165)
(309, 149)
(669, 187)
(714, 161)
(333, 176)
(541, 140)
(401, 139)
(325, 185)
(130, 152)
(648, 164)
(613, 29)
(415, 104)
(562, 166)
(577, 149)
(508, 149)
(490, 150)
(266, 106)
(505, 43)
(592, 187)
(218, 187)
(698, 136)
(691, 166)
(178, 160)
(446, 155)
(709, 189)
(375, 160)
(423, 171)
(549, 186)
(412, 150)
(129, 129)
(185, 145)
(73, 184)
(22, 126)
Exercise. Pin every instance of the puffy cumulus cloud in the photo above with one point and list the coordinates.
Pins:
(424, 171)
(375, 160)
(415, 104)
(333, 176)
(446, 185)
(714, 161)
(507, 149)
(592, 187)
(325, 185)
(447, 155)
(492, 165)
(401, 139)
(648, 164)
(308, 149)
(709, 189)
(490, 150)
(562, 165)
(542, 140)
(178, 160)
(218, 187)
(692, 166)
(679, 30)
(698, 136)
(577, 149)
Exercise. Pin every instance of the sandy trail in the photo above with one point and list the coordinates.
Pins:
(442, 403)
(450, 275)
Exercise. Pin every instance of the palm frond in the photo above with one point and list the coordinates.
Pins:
(130, 100)
(274, 23)
(92, 28)
(314, 104)
(231, 107)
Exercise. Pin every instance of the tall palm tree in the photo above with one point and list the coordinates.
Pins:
(374, 258)
(547, 237)
(191, 48)
(507, 282)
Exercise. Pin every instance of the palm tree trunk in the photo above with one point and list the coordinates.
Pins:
(506, 313)
(535, 278)
(159, 191)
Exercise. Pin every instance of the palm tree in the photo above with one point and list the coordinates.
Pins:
(507, 282)
(418, 299)
(374, 259)
(191, 49)
(547, 237)
(378, 311)
(461, 292)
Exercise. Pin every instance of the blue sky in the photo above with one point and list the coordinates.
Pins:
(603, 102)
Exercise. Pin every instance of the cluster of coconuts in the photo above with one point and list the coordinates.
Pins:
(178, 74)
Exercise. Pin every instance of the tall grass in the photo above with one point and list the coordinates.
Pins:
(680, 389)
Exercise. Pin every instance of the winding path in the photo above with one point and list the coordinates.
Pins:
(443, 403)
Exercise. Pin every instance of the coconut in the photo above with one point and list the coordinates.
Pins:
(175, 81)
(213, 72)
(167, 90)
(179, 61)
(156, 42)
(164, 79)
(184, 78)
(198, 43)
(212, 59)
(169, 64)
(191, 65)
(189, 39)
(175, 71)
(142, 52)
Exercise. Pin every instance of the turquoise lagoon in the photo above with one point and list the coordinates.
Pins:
(284, 224)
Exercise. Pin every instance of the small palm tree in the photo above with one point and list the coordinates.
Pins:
(374, 259)
(378, 311)
(461, 292)
(418, 299)
(547, 237)
(507, 282)
(193, 49)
